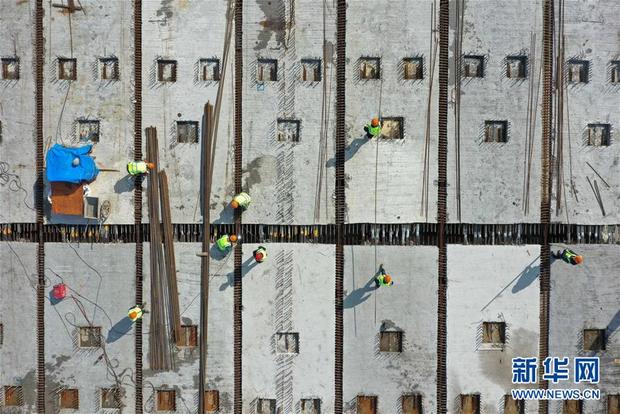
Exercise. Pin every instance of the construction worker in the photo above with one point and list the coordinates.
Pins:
(225, 242)
(139, 167)
(569, 256)
(373, 129)
(383, 279)
(260, 254)
(242, 200)
(135, 313)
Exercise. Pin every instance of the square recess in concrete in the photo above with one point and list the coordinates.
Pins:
(212, 401)
(516, 67)
(370, 68)
(473, 66)
(578, 71)
(391, 341)
(266, 406)
(613, 404)
(572, 407)
(267, 70)
(209, 69)
(310, 406)
(111, 398)
(166, 400)
(288, 130)
(88, 130)
(614, 71)
(413, 68)
(493, 335)
(187, 132)
(166, 70)
(392, 127)
(90, 337)
(69, 398)
(512, 406)
(13, 396)
(496, 131)
(411, 404)
(67, 68)
(287, 342)
(367, 404)
(594, 340)
(311, 70)
(598, 135)
(109, 68)
(470, 404)
(10, 68)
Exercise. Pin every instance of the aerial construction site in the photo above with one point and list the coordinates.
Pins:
(309, 206)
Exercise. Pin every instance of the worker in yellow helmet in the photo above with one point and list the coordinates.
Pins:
(139, 167)
(225, 242)
(373, 129)
(136, 312)
(242, 200)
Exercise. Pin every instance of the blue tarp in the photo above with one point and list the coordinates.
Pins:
(60, 168)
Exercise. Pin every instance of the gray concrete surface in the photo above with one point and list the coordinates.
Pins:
(284, 177)
(293, 291)
(99, 291)
(410, 305)
(18, 280)
(17, 115)
(384, 178)
(101, 30)
(490, 284)
(586, 297)
(184, 378)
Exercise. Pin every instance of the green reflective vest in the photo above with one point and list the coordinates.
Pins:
(243, 199)
(137, 167)
(569, 256)
(374, 131)
(382, 281)
(223, 243)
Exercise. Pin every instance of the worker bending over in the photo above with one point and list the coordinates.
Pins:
(569, 256)
(139, 167)
(242, 200)
(373, 129)
(383, 279)
(225, 242)
(136, 312)
(260, 254)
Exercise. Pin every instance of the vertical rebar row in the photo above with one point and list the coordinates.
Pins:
(238, 299)
(545, 191)
(39, 189)
(137, 130)
(442, 174)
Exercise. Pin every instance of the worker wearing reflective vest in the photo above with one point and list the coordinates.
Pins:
(242, 200)
(135, 313)
(260, 254)
(373, 129)
(139, 167)
(569, 256)
(225, 242)
(383, 279)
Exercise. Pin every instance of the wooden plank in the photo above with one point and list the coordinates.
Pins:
(67, 198)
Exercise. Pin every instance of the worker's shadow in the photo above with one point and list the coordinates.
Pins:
(246, 266)
(119, 330)
(527, 276)
(125, 184)
(362, 294)
(349, 151)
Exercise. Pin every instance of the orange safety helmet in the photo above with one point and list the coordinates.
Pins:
(374, 122)
(578, 259)
(233, 238)
(234, 204)
(387, 279)
(150, 165)
(133, 315)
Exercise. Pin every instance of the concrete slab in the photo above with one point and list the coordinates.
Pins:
(490, 284)
(18, 280)
(184, 378)
(187, 32)
(17, 115)
(410, 306)
(101, 30)
(291, 292)
(586, 297)
(388, 174)
(99, 292)
(492, 174)
(291, 182)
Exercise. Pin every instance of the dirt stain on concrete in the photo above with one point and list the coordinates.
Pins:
(274, 23)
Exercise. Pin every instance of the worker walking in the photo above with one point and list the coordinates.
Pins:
(225, 242)
(242, 200)
(260, 254)
(383, 279)
(373, 129)
(136, 312)
(139, 167)
(569, 256)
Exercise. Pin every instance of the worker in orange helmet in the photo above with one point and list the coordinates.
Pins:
(569, 256)
(136, 312)
(139, 167)
(373, 129)
(225, 242)
(383, 279)
(242, 200)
